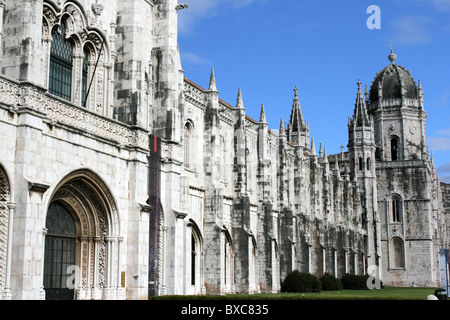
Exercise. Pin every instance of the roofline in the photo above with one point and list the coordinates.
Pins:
(226, 104)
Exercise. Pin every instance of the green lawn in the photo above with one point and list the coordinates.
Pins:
(388, 293)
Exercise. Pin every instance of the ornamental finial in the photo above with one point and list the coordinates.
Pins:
(392, 57)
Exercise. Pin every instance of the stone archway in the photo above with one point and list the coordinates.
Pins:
(4, 230)
(98, 239)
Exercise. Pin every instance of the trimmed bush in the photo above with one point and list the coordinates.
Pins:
(297, 281)
(355, 282)
(330, 283)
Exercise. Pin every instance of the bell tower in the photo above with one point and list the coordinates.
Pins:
(406, 205)
(396, 105)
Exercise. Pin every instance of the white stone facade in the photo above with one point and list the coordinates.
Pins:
(239, 206)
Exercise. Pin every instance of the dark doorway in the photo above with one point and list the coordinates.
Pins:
(60, 249)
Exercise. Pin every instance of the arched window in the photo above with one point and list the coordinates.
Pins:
(84, 77)
(396, 209)
(227, 261)
(394, 149)
(187, 145)
(61, 64)
(368, 164)
(361, 164)
(193, 259)
(224, 159)
(398, 254)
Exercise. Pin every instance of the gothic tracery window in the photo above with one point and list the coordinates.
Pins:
(61, 64)
(72, 46)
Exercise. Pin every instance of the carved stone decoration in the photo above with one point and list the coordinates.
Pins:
(97, 8)
(25, 95)
(4, 214)
(92, 207)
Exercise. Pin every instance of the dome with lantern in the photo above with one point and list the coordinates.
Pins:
(393, 82)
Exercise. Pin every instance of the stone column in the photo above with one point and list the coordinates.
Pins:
(108, 291)
(83, 290)
(23, 54)
(41, 290)
(120, 290)
(7, 294)
(2, 8)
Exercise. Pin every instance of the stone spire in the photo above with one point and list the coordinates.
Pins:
(296, 122)
(282, 130)
(313, 147)
(212, 81)
(298, 128)
(262, 117)
(360, 113)
(239, 101)
(325, 157)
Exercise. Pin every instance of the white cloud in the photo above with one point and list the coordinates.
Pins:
(445, 167)
(444, 172)
(200, 9)
(441, 5)
(444, 98)
(412, 30)
(197, 10)
(444, 178)
(445, 132)
(192, 58)
(438, 143)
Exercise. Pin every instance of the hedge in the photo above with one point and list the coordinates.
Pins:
(330, 283)
(297, 281)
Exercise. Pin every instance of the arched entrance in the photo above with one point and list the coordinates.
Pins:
(60, 253)
(4, 231)
(82, 244)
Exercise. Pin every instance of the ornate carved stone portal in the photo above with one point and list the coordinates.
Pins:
(97, 230)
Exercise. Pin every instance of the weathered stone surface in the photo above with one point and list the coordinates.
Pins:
(239, 206)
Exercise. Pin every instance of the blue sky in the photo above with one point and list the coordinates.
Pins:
(266, 47)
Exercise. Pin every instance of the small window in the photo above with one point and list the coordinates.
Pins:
(61, 64)
(227, 261)
(187, 145)
(396, 209)
(193, 259)
(361, 164)
(394, 149)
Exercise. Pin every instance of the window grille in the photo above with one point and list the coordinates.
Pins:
(61, 62)
(60, 247)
